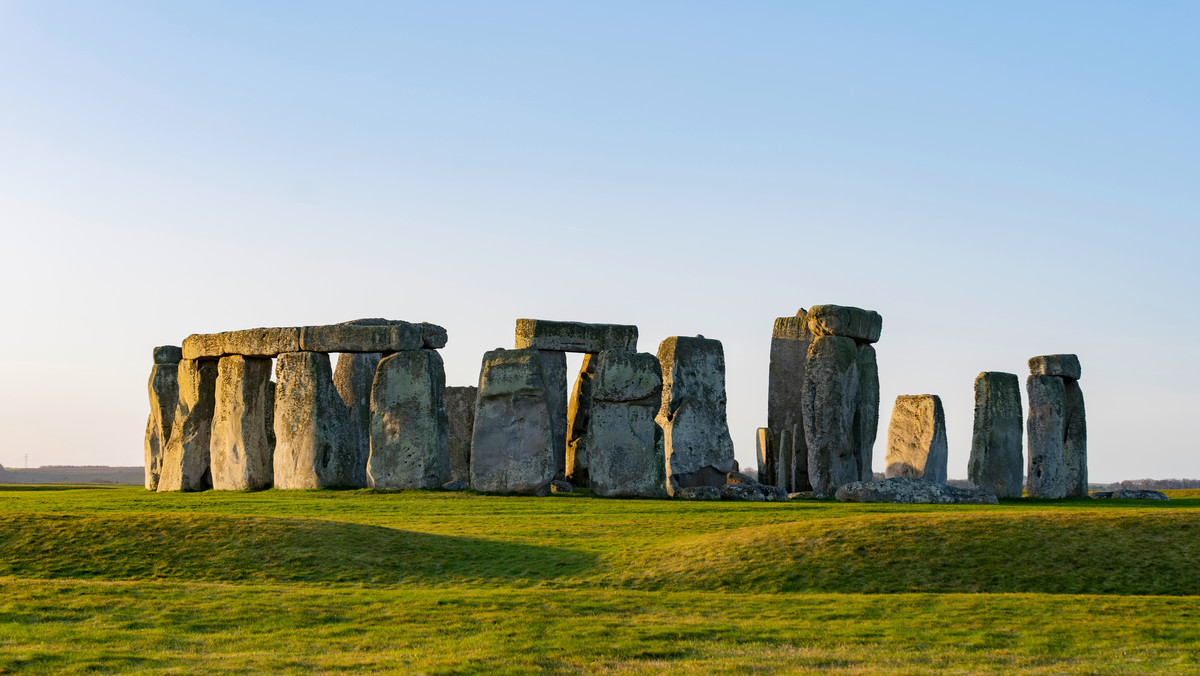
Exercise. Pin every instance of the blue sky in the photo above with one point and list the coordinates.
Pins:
(998, 180)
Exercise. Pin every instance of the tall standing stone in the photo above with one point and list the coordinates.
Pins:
(1046, 429)
(352, 378)
(785, 462)
(625, 443)
(917, 446)
(868, 410)
(512, 445)
(460, 411)
(163, 389)
(313, 444)
(764, 447)
(577, 420)
(240, 450)
(186, 460)
(1074, 440)
(554, 375)
(409, 427)
(790, 339)
(699, 449)
(830, 401)
(995, 464)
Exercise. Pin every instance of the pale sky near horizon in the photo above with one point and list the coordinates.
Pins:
(998, 180)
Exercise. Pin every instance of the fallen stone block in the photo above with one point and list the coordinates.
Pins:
(908, 490)
(185, 465)
(996, 463)
(560, 486)
(460, 411)
(849, 322)
(1046, 431)
(575, 336)
(917, 445)
(456, 486)
(314, 447)
(698, 447)
(240, 448)
(1130, 494)
(512, 446)
(410, 431)
(698, 493)
(749, 493)
(1062, 365)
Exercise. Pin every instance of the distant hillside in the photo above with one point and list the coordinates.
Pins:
(69, 474)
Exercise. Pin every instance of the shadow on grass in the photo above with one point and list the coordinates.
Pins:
(237, 548)
(57, 487)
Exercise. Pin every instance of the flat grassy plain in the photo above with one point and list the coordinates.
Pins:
(98, 579)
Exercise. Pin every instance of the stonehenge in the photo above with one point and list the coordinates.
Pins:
(995, 464)
(916, 444)
(512, 444)
(185, 460)
(699, 449)
(241, 447)
(460, 415)
(410, 432)
(626, 444)
(164, 394)
(1056, 428)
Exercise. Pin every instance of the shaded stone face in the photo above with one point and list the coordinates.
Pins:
(831, 400)
(917, 447)
(185, 465)
(867, 416)
(409, 426)
(1046, 428)
(764, 446)
(164, 397)
(313, 445)
(460, 412)
(698, 447)
(554, 377)
(848, 322)
(1074, 440)
(577, 420)
(790, 340)
(575, 336)
(512, 444)
(352, 378)
(168, 354)
(626, 444)
(240, 449)
(909, 490)
(996, 463)
(1062, 365)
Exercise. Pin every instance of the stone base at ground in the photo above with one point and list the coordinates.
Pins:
(1129, 494)
(913, 491)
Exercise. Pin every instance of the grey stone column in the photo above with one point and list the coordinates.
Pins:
(1047, 474)
(554, 375)
(313, 446)
(410, 431)
(995, 463)
(512, 444)
(240, 449)
(917, 445)
(831, 397)
(698, 447)
(163, 389)
(790, 340)
(460, 410)
(186, 460)
(624, 441)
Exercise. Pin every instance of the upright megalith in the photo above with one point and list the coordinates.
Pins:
(625, 443)
(786, 462)
(1074, 440)
(512, 445)
(577, 421)
(554, 376)
(790, 340)
(240, 449)
(460, 413)
(163, 389)
(352, 378)
(867, 415)
(917, 447)
(764, 451)
(409, 427)
(995, 465)
(313, 443)
(699, 450)
(831, 401)
(1047, 474)
(185, 465)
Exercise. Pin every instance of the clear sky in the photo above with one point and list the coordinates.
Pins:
(998, 180)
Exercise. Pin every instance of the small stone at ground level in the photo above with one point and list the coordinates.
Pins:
(456, 486)
(560, 486)
(805, 495)
(908, 490)
(1062, 365)
(699, 493)
(575, 336)
(747, 492)
(1130, 494)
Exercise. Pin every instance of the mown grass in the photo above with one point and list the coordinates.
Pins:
(118, 579)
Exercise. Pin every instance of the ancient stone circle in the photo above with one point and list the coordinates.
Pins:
(635, 424)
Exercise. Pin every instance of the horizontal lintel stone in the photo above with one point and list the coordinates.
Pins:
(366, 335)
(1062, 365)
(575, 336)
(842, 320)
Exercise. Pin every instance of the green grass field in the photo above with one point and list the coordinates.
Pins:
(119, 580)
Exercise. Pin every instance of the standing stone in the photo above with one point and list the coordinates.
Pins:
(512, 444)
(240, 451)
(186, 461)
(1075, 440)
(868, 411)
(785, 459)
(698, 446)
(352, 378)
(790, 340)
(917, 446)
(554, 376)
(830, 401)
(313, 445)
(995, 464)
(164, 396)
(409, 427)
(626, 444)
(577, 421)
(460, 411)
(764, 443)
(1046, 428)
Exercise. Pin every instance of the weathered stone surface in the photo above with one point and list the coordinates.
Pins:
(1046, 429)
(995, 464)
(625, 444)
(785, 452)
(831, 396)
(1074, 440)
(261, 342)
(849, 322)
(739, 478)
(1130, 494)
(790, 340)
(868, 410)
(433, 337)
(575, 336)
(773, 493)
(917, 445)
(908, 490)
(512, 446)
(1062, 365)
(560, 486)
(353, 378)
(460, 410)
(185, 465)
(164, 397)
(554, 376)
(168, 354)
(764, 448)
(456, 486)
(747, 492)
(699, 493)
(698, 446)
(804, 495)
(240, 450)
(578, 410)
(410, 431)
(313, 447)
(393, 337)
